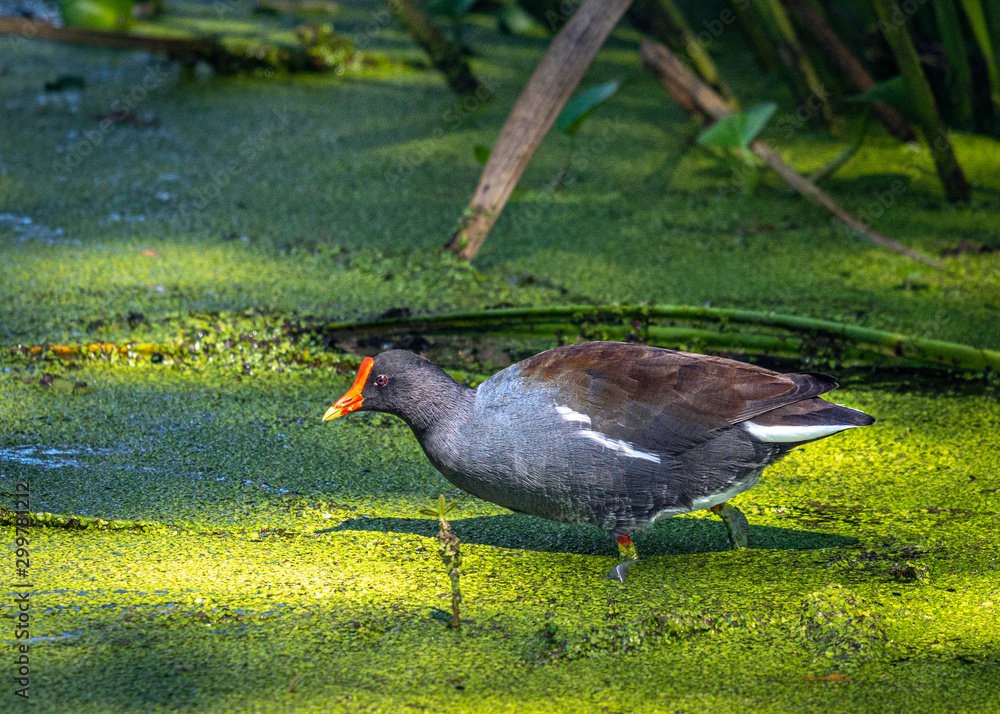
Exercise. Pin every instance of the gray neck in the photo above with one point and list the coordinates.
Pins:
(439, 403)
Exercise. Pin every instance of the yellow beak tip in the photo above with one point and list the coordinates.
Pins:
(331, 413)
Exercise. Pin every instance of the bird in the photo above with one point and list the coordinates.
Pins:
(609, 434)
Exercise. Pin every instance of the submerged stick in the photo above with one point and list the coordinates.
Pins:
(690, 91)
(238, 57)
(561, 69)
(895, 345)
(666, 22)
(705, 326)
(173, 47)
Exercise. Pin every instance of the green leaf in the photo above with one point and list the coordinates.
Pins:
(516, 20)
(97, 14)
(892, 92)
(482, 153)
(736, 131)
(976, 13)
(580, 107)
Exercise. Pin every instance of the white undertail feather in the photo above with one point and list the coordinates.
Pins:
(786, 434)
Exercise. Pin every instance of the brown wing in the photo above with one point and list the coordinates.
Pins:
(661, 399)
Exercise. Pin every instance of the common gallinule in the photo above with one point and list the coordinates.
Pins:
(608, 434)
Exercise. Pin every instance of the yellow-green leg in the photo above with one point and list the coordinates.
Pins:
(736, 524)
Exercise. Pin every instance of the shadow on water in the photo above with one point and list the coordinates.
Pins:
(673, 536)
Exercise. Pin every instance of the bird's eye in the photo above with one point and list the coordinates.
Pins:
(381, 380)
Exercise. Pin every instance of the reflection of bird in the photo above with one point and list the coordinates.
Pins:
(97, 14)
(605, 433)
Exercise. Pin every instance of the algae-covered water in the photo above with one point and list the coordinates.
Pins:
(249, 557)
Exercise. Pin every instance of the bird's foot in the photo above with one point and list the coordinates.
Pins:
(736, 525)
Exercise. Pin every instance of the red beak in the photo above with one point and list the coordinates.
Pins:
(353, 400)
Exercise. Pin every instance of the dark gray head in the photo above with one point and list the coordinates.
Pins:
(407, 385)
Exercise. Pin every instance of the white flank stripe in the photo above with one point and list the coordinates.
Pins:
(570, 415)
(785, 434)
(618, 445)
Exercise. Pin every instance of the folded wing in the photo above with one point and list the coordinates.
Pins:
(669, 402)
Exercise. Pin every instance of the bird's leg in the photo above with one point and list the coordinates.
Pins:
(736, 524)
(627, 554)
